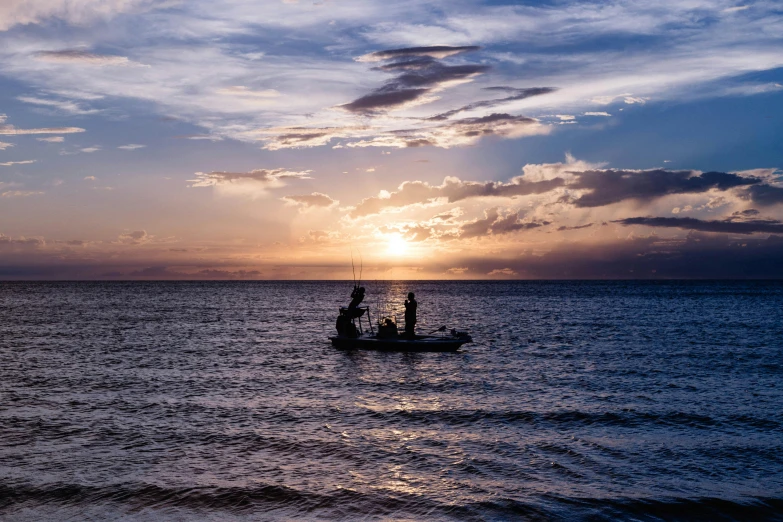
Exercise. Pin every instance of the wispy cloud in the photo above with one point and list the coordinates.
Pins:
(67, 107)
(241, 90)
(136, 237)
(10, 130)
(78, 57)
(13, 12)
(131, 146)
(20, 193)
(252, 183)
(10, 163)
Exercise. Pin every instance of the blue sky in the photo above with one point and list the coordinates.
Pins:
(243, 139)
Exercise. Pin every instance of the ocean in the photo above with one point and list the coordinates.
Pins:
(225, 401)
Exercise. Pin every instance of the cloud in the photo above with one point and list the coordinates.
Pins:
(735, 9)
(457, 270)
(166, 272)
(578, 227)
(90, 178)
(4, 145)
(304, 137)
(627, 98)
(20, 193)
(253, 183)
(697, 256)
(10, 163)
(10, 130)
(502, 272)
(764, 195)
(14, 12)
(420, 75)
(728, 226)
(453, 190)
(612, 186)
(601, 113)
(77, 57)
(131, 146)
(52, 139)
(586, 187)
(514, 94)
(434, 51)
(241, 90)
(314, 200)
(68, 107)
(21, 241)
(137, 237)
(266, 176)
(456, 133)
(495, 224)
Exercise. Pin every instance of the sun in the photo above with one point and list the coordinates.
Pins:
(397, 246)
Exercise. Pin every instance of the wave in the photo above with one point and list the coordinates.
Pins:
(625, 418)
(341, 503)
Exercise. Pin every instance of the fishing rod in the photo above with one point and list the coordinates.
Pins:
(353, 267)
(361, 266)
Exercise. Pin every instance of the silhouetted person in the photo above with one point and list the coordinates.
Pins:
(357, 296)
(410, 315)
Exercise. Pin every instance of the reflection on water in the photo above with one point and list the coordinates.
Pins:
(217, 401)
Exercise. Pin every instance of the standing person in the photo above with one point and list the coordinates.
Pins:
(410, 315)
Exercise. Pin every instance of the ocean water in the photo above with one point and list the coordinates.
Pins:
(225, 401)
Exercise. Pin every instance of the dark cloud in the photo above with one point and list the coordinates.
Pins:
(561, 229)
(764, 195)
(154, 272)
(699, 256)
(514, 94)
(727, 226)
(612, 186)
(419, 73)
(384, 99)
(604, 187)
(495, 224)
(165, 272)
(453, 189)
(433, 51)
(742, 214)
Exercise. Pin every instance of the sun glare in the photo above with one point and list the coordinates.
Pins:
(397, 246)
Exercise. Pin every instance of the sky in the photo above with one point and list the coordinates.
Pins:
(428, 139)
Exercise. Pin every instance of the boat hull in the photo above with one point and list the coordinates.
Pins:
(422, 343)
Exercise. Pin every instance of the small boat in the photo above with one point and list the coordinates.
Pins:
(352, 336)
